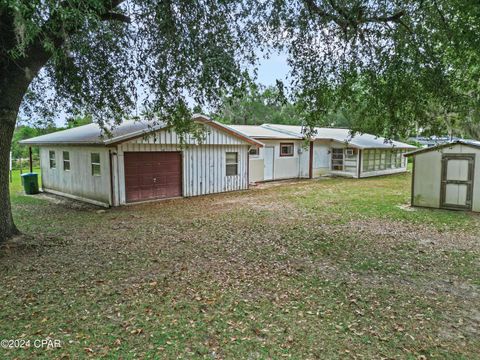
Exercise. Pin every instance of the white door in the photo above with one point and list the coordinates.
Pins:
(457, 181)
(268, 155)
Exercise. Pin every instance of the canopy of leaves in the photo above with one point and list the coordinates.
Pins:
(389, 65)
(258, 105)
(386, 63)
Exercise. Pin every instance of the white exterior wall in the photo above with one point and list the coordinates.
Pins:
(203, 166)
(322, 160)
(285, 167)
(428, 174)
(78, 183)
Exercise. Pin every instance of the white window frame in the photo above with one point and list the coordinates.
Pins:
(289, 154)
(257, 152)
(50, 159)
(66, 160)
(95, 164)
(230, 164)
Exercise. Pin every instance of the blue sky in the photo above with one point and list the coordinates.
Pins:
(273, 68)
(269, 70)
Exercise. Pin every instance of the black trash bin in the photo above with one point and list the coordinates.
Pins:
(30, 183)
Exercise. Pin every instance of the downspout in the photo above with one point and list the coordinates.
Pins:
(111, 178)
(359, 164)
(310, 162)
(30, 158)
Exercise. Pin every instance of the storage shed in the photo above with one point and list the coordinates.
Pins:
(447, 176)
(142, 161)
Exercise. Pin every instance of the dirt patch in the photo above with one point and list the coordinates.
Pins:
(423, 235)
(66, 202)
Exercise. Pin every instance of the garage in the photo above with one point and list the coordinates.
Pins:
(152, 175)
(447, 176)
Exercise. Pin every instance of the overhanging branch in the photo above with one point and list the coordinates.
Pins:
(116, 17)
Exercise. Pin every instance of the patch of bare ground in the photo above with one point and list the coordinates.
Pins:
(423, 235)
(65, 202)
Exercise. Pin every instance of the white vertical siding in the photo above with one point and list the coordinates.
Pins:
(79, 181)
(211, 136)
(428, 176)
(204, 167)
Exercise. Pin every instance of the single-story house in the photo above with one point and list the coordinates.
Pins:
(447, 176)
(142, 161)
(288, 153)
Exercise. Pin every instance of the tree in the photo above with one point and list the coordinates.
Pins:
(99, 56)
(257, 104)
(383, 63)
(108, 58)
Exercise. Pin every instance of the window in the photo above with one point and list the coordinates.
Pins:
(53, 161)
(66, 161)
(337, 159)
(231, 160)
(286, 149)
(95, 157)
(254, 151)
(388, 160)
(349, 152)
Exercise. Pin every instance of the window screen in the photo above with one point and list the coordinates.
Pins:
(66, 161)
(96, 170)
(52, 160)
(231, 163)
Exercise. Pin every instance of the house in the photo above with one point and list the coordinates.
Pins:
(282, 157)
(447, 176)
(288, 153)
(142, 161)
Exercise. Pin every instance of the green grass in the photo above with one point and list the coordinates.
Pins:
(317, 269)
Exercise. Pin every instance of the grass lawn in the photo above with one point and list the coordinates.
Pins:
(335, 268)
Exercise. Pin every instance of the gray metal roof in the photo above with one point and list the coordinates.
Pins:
(93, 134)
(361, 141)
(467, 142)
(262, 132)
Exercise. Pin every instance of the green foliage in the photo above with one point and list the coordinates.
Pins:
(256, 105)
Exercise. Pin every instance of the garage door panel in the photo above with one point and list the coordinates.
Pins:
(152, 175)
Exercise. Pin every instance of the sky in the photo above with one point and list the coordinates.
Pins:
(274, 68)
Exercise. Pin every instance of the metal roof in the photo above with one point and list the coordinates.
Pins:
(473, 143)
(93, 134)
(262, 132)
(361, 141)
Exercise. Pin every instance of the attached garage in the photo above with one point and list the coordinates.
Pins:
(447, 176)
(152, 175)
(143, 161)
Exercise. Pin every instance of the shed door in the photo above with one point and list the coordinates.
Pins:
(457, 181)
(152, 175)
(268, 159)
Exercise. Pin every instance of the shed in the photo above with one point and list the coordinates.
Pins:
(288, 153)
(142, 161)
(447, 176)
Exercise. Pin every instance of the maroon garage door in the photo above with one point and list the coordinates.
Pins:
(152, 175)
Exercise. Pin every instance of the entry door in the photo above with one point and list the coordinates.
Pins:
(152, 175)
(457, 181)
(268, 158)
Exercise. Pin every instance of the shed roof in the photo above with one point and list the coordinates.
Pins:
(92, 134)
(361, 141)
(263, 132)
(472, 143)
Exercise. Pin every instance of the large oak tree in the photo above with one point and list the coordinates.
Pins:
(385, 61)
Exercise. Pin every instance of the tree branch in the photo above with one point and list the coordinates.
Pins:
(344, 18)
(116, 17)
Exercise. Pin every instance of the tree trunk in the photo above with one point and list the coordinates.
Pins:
(7, 126)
